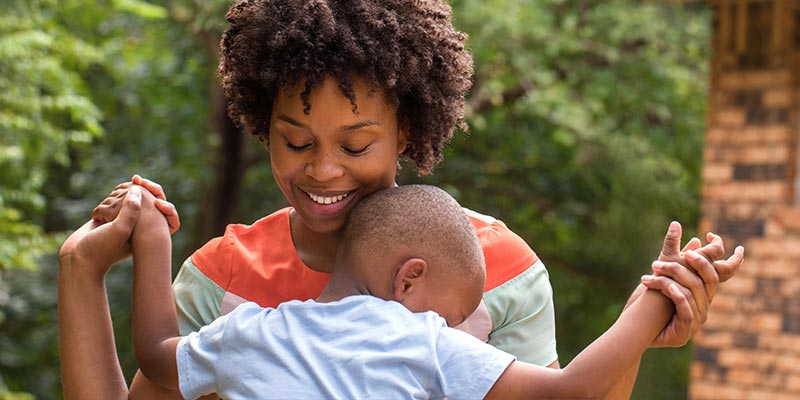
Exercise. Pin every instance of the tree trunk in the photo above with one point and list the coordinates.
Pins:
(221, 196)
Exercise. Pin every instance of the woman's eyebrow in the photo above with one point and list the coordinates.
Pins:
(359, 125)
(347, 128)
(293, 121)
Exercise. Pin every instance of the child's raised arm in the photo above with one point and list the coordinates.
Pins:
(599, 367)
(154, 320)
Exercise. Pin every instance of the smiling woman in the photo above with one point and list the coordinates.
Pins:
(339, 91)
(325, 160)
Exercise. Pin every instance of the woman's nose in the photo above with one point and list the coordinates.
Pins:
(324, 166)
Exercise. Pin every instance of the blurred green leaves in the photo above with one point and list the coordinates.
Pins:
(45, 110)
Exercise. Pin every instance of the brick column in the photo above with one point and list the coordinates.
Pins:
(750, 346)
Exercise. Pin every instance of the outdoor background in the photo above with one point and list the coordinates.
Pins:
(586, 121)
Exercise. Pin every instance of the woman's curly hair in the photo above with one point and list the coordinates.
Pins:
(407, 48)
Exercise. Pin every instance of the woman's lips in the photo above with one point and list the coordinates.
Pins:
(328, 205)
(326, 199)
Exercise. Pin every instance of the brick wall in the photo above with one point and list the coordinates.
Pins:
(750, 346)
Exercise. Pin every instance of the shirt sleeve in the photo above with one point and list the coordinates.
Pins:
(523, 317)
(468, 368)
(197, 356)
(198, 299)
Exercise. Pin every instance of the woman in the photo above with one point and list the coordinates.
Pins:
(338, 92)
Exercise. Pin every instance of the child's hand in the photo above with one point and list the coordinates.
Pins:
(96, 246)
(152, 224)
(697, 271)
(108, 209)
(721, 270)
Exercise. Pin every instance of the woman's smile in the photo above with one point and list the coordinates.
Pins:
(327, 206)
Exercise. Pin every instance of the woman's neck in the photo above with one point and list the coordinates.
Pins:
(316, 250)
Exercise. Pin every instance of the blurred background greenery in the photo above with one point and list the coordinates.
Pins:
(586, 121)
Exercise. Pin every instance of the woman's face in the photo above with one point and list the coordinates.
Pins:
(326, 161)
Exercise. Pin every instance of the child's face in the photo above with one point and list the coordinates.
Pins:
(326, 161)
(453, 299)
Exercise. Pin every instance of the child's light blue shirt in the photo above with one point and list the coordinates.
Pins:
(360, 347)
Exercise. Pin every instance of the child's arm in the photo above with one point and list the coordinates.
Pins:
(597, 369)
(154, 320)
(699, 281)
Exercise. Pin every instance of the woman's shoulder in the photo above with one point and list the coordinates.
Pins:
(240, 240)
(506, 253)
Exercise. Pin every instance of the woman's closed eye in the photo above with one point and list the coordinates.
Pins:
(296, 147)
(354, 151)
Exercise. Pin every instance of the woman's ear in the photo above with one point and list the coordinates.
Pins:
(402, 140)
(408, 278)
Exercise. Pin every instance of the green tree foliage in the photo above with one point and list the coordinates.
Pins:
(586, 124)
(44, 111)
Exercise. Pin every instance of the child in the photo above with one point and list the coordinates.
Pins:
(406, 251)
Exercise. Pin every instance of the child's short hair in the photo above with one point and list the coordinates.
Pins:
(424, 220)
(406, 48)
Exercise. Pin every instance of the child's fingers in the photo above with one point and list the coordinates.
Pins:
(693, 244)
(151, 186)
(715, 248)
(170, 213)
(129, 214)
(670, 251)
(728, 268)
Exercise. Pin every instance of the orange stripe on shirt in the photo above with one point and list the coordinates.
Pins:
(259, 262)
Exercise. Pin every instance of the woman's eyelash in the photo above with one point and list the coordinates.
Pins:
(355, 151)
(293, 147)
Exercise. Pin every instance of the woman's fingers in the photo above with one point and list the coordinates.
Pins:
(705, 270)
(166, 208)
(151, 186)
(689, 282)
(686, 320)
(171, 213)
(108, 209)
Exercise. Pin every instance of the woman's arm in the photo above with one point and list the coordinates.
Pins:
(89, 365)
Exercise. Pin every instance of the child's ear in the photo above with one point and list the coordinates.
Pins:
(408, 277)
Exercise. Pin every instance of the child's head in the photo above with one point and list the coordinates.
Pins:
(408, 49)
(415, 244)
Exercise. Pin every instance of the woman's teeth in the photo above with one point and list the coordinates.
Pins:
(326, 200)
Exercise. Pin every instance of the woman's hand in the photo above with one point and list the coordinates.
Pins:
(96, 246)
(110, 206)
(697, 271)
